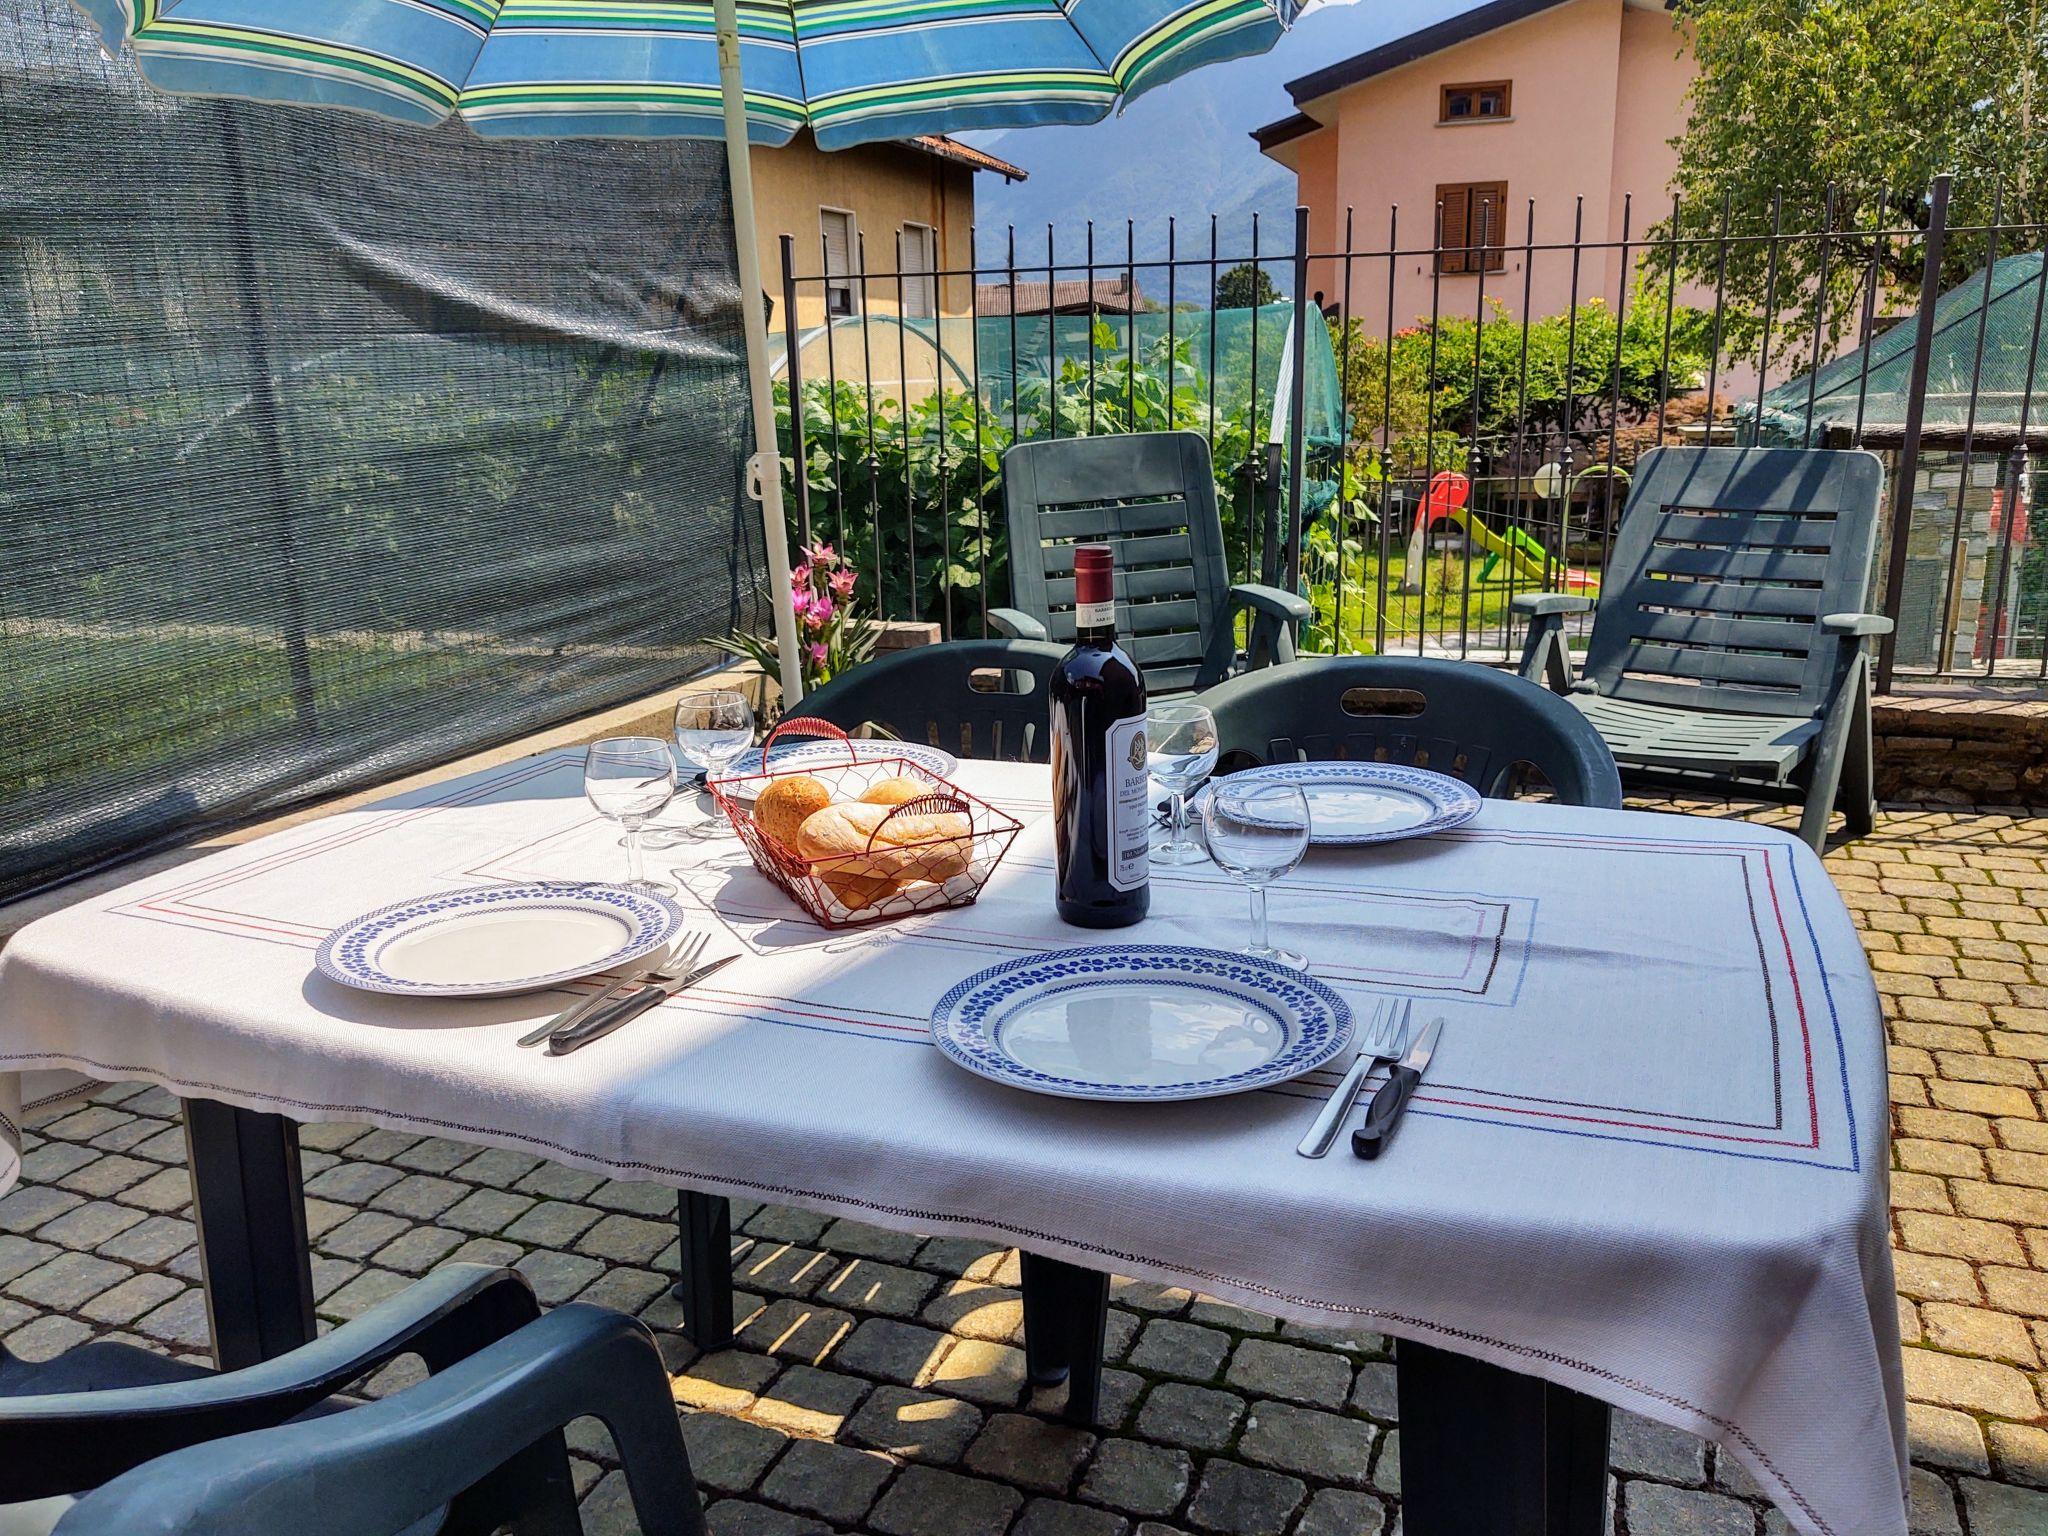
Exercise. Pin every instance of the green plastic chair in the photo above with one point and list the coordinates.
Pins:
(972, 698)
(1486, 727)
(1151, 496)
(1730, 647)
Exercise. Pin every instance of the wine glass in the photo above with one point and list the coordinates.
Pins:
(1180, 752)
(714, 727)
(1258, 831)
(630, 778)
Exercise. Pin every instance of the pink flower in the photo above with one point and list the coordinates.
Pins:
(818, 653)
(842, 583)
(821, 553)
(801, 601)
(800, 578)
(822, 608)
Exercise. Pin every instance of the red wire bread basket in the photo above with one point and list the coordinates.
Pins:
(955, 842)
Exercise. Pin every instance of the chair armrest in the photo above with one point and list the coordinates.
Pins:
(77, 1440)
(1017, 624)
(1271, 601)
(393, 1462)
(1541, 604)
(1855, 625)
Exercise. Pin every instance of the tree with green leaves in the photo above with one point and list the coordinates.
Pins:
(1245, 286)
(1806, 110)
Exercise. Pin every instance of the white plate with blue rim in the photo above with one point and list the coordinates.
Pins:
(1351, 804)
(497, 940)
(1140, 1023)
(795, 758)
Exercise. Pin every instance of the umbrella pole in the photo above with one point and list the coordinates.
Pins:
(764, 468)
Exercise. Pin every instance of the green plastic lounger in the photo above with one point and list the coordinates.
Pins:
(1151, 496)
(1730, 647)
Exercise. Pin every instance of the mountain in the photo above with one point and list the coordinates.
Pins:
(1183, 151)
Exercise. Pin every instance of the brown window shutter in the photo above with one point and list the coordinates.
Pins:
(1489, 223)
(1453, 227)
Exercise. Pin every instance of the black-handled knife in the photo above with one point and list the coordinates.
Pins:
(1371, 1138)
(605, 1020)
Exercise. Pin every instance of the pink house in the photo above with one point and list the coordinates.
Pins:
(1463, 124)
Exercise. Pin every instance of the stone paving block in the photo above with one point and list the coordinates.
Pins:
(1336, 1512)
(1325, 1446)
(917, 1426)
(381, 1145)
(1684, 1512)
(2022, 1453)
(436, 1154)
(46, 1338)
(729, 1454)
(781, 1268)
(926, 1501)
(1144, 1296)
(1138, 1478)
(329, 1275)
(1290, 1371)
(1934, 1279)
(625, 1290)
(124, 1303)
(1386, 1467)
(834, 1482)
(892, 1351)
(557, 1276)
(67, 1282)
(552, 1181)
(1212, 1313)
(19, 1255)
(738, 1517)
(802, 1331)
(167, 1191)
(31, 1205)
(726, 1381)
(363, 1234)
(807, 1401)
(553, 1224)
(981, 1371)
(855, 1239)
(180, 1321)
(787, 1224)
(52, 1160)
(977, 1310)
(1977, 1386)
(419, 1249)
(323, 1216)
(1943, 1437)
(1999, 1509)
(90, 1225)
(354, 1183)
(487, 1212)
(1374, 1390)
(84, 1124)
(330, 1135)
(1350, 1337)
(1199, 1417)
(1170, 1347)
(1055, 1517)
(1237, 1500)
(869, 1285)
(955, 1255)
(485, 1250)
(1119, 1395)
(497, 1167)
(1039, 1454)
(1640, 1445)
(635, 1199)
(363, 1293)
(1978, 1331)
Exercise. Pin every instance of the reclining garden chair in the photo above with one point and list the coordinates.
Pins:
(111, 1440)
(1151, 496)
(1729, 647)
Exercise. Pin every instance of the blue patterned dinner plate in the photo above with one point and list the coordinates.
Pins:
(1352, 804)
(1140, 1022)
(494, 940)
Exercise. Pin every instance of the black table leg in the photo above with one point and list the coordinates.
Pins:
(704, 1277)
(251, 1214)
(1490, 1452)
(1066, 1316)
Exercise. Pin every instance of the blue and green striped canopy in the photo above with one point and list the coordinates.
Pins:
(851, 70)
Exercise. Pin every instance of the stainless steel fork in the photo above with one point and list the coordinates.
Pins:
(681, 956)
(1382, 1040)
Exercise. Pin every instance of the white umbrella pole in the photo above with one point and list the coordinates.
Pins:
(764, 468)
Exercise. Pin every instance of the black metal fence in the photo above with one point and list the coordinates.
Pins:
(1411, 431)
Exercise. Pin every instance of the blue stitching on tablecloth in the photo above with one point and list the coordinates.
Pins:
(1834, 1016)
(1418, 1106)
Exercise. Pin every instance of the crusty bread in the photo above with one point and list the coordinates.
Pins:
(895, 791)
(782, 808)
(906, 848)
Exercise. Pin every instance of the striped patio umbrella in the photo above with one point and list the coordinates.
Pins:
(853, 71)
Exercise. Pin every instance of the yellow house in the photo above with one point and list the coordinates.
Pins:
(909, 196)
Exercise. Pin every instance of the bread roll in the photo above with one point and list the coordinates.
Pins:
(897, 790)
(909, 847)
(782, 808)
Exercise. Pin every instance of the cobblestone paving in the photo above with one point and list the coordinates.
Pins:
(877, 1384)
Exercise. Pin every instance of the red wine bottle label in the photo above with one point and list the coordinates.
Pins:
(1130, 816)
(1094, 615)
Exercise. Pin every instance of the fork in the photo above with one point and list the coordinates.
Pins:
(1384, 1040)
(681, 958)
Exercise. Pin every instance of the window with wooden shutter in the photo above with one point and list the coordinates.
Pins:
(841, 240)
(1475, 103)
(1471, 226)
(920, 262)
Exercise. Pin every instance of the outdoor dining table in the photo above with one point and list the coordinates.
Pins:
(1647, 1167)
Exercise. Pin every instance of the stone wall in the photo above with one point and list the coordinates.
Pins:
(1951, 750)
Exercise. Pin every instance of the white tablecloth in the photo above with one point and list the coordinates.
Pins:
(1649, 1161)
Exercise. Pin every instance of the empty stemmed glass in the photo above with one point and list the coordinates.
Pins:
(714, 728)
(630, 778)
(1180, 752)
(1257, 832)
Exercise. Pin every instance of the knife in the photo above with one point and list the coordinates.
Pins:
(609, 1018)
(625, 981)
(1371, 1138)
(1392, 1039)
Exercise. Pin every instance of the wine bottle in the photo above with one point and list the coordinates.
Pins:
(1100, 808)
